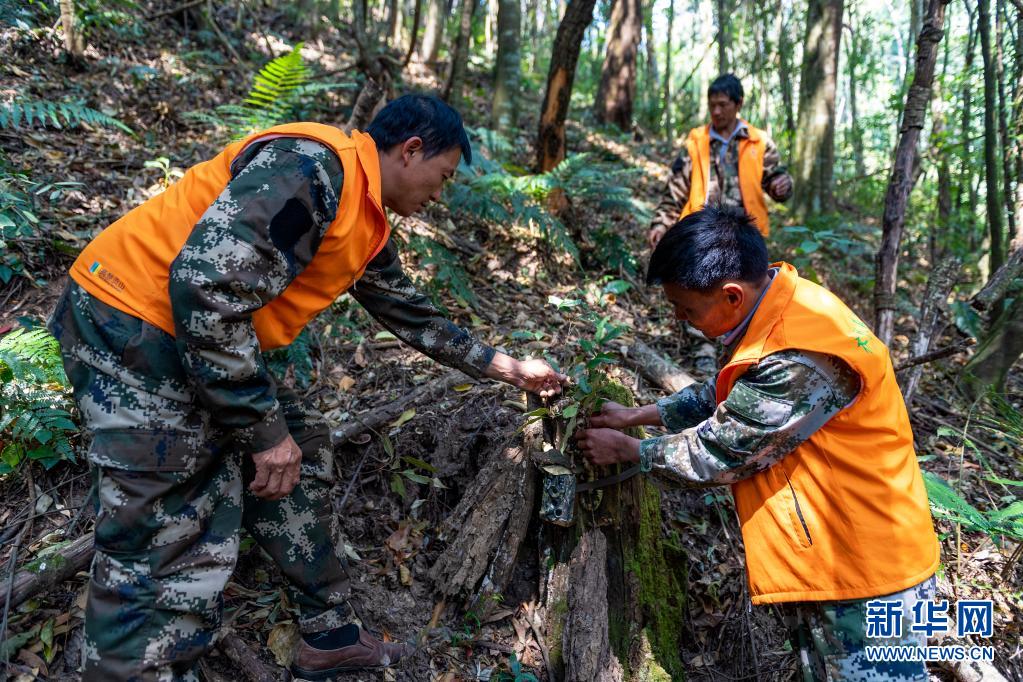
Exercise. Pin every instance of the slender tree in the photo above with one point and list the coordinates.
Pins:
(815, 140)
(652, 85)
(965, 184)
(460, 52)
(560, 77)
(617, 92)
(73, 42)
(853, 61)
(1003, 116)
(504, 111)
(668, 125)
(784, 69)
(994, 204)
(433, 31)
(901, 181)
(416, 17)
(722, 12)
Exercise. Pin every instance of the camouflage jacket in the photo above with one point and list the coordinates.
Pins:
(723, 183)
(772, 408)
(281, 199)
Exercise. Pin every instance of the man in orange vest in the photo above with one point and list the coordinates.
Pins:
(726, 163)
(806, 423)
(162, 330)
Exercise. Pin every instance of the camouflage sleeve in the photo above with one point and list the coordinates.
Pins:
(688, 407)
(773, 168)
(255, 238)
(676, 193)
(388, 294)
(771, 409)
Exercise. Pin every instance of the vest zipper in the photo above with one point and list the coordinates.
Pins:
(799, 512)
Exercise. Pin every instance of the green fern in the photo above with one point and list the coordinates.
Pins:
(55, 114)
(449, 277)
(275, 93)
(35, 401)
(297, 356)
(948, 504)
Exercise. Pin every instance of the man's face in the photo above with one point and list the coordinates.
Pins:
(723, 111)
(715, 312)
(419, 179)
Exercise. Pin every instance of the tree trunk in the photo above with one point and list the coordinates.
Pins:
(394, 18)
(901, 180)
(996, 354)
(994, 204)
(653, 76)
(460, 53)
(504, 112)
(564, 56)
(612, 601)
(784, 69)
(1003, 119)
(1017, 98)
(722, 10)
(73, 42)
(815, 138)
(433, 32)
(855, 133)
(668, 124)
(966, 162)
(416, 17)
(939, 237)
(617, 91)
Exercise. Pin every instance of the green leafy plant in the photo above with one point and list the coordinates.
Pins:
(35, 401)
(947, 503)
(590, 354)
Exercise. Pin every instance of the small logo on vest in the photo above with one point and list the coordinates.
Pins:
(861, 332)
(110, 278)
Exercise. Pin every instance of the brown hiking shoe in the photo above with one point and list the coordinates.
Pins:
(311, 663)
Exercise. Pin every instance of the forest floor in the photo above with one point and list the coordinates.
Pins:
(395, 531)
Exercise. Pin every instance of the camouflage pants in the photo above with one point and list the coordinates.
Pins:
(172, 498)
(830, 639)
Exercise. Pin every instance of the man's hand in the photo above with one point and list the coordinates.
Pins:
(655, 235)
(613, 415)
(780, 186)
(607, 446)
(535, 376)
(277, 470)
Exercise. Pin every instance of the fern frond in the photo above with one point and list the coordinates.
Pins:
(55, 114)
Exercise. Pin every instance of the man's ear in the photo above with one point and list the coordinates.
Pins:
(411, 147)
(734, 293)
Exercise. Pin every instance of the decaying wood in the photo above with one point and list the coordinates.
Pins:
(248, 662)
(489, 524)
(999, 282)
(585, 640)
(376, 418)
(657, 368)
(931, 321)
(55, 569)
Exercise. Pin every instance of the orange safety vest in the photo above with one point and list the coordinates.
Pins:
(751, 173)
(127, 265)
(844, 515)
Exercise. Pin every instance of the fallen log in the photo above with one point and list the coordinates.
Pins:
(378, 417)
(489, 524)
(657, 368)
(585, 641)
(49, 572)
(248, 662)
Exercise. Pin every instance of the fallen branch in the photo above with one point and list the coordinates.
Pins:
(377, 417)
(246, 659)
(55, 569)
(937, 354)
(657, 368)
(999, 282)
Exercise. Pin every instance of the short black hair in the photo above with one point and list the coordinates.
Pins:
(727, 84)
(424, 116)
(707, 248)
